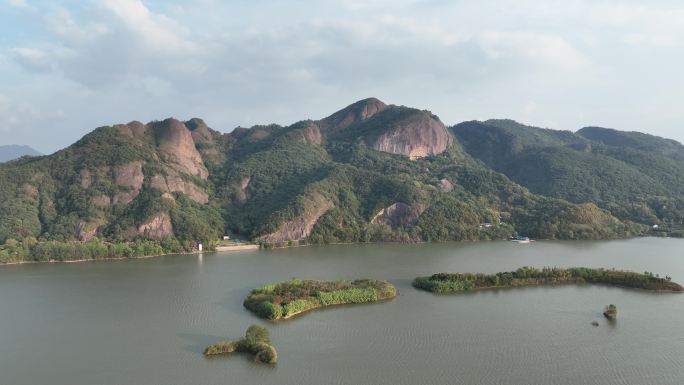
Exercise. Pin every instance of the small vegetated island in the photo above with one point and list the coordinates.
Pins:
(611, 312)
(256, 341)
(286, 299)
(528, 276)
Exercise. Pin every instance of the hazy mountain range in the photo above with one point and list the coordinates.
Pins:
(13, 151)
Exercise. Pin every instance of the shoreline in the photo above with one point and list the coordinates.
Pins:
(217, 250)
(245, 247)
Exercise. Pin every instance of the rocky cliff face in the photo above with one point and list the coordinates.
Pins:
(312, 134)
(300, 227)
(131, 177)
(135, 131)
(397, 215)
(157, 227)
(172, 182)
(416, 136)
(394, 129)
(177, 147)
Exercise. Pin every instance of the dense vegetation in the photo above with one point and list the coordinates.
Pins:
(636, 177)
(320, 182)
(527, 276)
(289, 298)
(256, 341)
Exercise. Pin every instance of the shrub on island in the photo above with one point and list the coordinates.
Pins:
(288, 298)
(528, 276)
(256, 341)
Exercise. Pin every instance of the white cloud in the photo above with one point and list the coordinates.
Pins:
(33, 59)
(550, 49)
(23, 4)
(62, 23)
(156, 30)
(242, 63)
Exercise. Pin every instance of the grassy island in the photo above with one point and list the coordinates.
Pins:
(289, 298)
(528, 276)
(256, 341)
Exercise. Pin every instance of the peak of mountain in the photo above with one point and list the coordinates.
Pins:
(14, 151)
(393, 129)
(354, 113)
(177, 146)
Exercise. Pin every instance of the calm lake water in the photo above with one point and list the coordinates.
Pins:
(147, 321)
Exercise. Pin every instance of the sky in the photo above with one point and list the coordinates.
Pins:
(67, 67)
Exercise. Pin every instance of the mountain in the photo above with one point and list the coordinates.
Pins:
(13, 151)
(369, 172)
(636, 176)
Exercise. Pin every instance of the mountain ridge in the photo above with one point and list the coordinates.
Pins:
(368, 172)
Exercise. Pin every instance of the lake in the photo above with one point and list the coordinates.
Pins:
(147, 321)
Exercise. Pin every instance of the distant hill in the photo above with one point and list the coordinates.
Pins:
(370, 172)
(636, 176)
(13, 151)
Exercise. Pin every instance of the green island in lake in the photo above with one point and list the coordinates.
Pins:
(256, 341)
(286, 299)
(528, 276)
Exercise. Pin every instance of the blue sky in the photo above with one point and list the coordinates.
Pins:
(68, 67)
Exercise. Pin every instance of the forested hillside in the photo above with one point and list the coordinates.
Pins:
(635, 176)
(369, 172)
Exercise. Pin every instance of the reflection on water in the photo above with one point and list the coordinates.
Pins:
(147, 321)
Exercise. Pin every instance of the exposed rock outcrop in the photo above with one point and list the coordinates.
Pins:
(133, 130)
(240, 195)
(300, 228)
(445, 185)
(201, 133)
(312, 134)
(355, 113)
(157, 227)
(397, 215)
(177, 147)
(418, 135)
(131, 177)
(172, 182)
